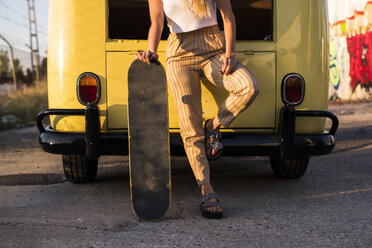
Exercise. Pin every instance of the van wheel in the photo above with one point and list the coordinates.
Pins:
(78, 169)
(289, 168)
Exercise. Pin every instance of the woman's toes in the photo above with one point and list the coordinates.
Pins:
(214, 151)
(215, 209)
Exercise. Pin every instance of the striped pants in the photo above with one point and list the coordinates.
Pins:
(189, 56)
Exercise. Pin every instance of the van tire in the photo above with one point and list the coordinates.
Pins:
(78, 169)
(289, 168)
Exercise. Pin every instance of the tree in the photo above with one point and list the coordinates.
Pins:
(43, 68)
(4, 67)
(19, 71)
(28, 77)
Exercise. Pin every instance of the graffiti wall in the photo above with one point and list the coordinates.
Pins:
(350, 49)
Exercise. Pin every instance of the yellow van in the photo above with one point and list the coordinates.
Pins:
(284, 43)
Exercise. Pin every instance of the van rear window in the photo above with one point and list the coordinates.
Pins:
(129, 19)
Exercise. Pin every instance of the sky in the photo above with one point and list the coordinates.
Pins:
(15, 28)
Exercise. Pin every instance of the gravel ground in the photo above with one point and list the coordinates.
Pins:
(328, 207)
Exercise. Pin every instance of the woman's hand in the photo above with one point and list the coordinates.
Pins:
(157, 23)
(147, 56)
(229, 61)
(228, 65)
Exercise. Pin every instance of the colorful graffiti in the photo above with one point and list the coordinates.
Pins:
(334, 72)
(339, 69)
(350, 49)
(360, 60)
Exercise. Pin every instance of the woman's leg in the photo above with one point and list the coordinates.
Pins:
(240, 83)
(185, 85)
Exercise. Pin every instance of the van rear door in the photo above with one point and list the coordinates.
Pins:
(260, 115)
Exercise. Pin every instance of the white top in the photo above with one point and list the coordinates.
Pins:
(181, 17)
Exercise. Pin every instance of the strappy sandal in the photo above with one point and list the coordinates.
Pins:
(215, 144)
(206, 204)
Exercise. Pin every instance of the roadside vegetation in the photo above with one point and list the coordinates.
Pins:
(19, 109)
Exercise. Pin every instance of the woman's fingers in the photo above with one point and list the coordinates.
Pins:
(140, 57)
(154, 56)
(228, 65)
(146, 56)
(224, 66)
(229, 69)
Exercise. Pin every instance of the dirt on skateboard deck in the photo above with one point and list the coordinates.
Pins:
(149, 157)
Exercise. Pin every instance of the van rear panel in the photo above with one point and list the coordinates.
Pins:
(260, 115)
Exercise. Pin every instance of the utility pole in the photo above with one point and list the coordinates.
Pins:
(34, 41)
(37, 65)
(12, 59)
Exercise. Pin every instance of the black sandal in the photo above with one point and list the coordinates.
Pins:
(205, 205)
(215, 144)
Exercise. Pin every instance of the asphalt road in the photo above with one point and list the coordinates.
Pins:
(330, 206)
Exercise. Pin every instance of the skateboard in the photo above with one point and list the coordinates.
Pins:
(149, 156)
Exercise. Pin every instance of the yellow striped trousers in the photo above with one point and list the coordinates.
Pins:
(189, 56)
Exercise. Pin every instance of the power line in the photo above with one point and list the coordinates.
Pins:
(14, 22)
(19, 42)
(19, 24)
(40, 27)
(13, 40)
(13, 10)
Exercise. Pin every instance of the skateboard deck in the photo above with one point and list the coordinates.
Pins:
(149, 157)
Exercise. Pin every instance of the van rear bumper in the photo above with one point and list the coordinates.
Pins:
(235, 144)
(94, 143)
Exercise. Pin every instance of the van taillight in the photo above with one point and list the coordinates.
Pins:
(293, 89)
(88, 88)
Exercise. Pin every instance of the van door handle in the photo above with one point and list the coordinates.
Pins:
(132, 52)
(249, 53)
